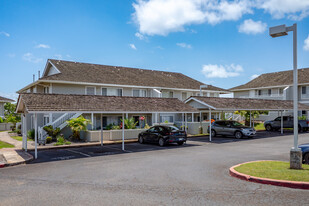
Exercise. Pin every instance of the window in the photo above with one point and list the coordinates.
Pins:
(46, 119)
(90, 90)
(135, 92)
(167, 118)
(46, 90)
(143, 93)
(304, 93)
(167, 94)
(104, 91)
(280, 91)
(269, 92)
(304, 90)
(119, 92)
(259, 92)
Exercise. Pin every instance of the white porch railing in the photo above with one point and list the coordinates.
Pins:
(60, 122)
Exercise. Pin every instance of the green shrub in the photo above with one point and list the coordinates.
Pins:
(78, 124)
(67, 143)
(115, 127)
(48, 140)
(30, 134)
(1, 120)
(18, 131)
(165, 121)
(146, 126)
(51, 131)
(302, 117)
(60, 139)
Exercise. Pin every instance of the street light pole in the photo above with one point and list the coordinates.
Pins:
(295, 153)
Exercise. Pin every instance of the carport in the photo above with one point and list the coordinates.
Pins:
(35, 103)
(209, 104)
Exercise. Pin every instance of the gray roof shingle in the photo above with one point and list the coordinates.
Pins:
(234, 104)
(95, 73)
(4, 99)
(35, 102)
(282, 78)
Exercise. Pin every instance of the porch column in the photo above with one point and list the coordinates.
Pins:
(50, 118)
(209, 125)
(159, 118)
(35, 136)
(156, 118)
(186, 124)
(250, 119)
(101, 129)
(92, 121)
(25, 132)
(127, 116)
(281, 122)
(182, 120)
(123, 132)
(192, 117)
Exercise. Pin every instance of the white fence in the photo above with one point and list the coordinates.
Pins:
(111, 135)
(5, 126)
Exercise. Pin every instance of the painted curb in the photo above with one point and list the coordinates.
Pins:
(30, 158)
(281, 183)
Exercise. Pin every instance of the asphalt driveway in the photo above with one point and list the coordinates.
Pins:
(193, 174)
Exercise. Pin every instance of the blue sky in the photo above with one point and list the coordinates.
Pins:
(223, 43)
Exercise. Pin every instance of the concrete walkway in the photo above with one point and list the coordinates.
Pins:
(12, 156)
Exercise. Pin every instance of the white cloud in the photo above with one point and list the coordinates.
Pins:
(252, 27)
(221, 71)
(132, 46)
(293, 9)
(11, 55)
(306, 44)
(44, 46)
(5, 33)
(160, 17)
(254, 76)
(140, 36)
(31, 58)
(184, 45)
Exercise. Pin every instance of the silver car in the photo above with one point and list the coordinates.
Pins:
(231, 128)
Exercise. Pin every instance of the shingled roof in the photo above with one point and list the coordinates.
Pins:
(35, 102)
(234, 104)
(4, 99)
(283, 78)
(103, 74)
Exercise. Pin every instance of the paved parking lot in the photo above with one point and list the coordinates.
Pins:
(193, 174)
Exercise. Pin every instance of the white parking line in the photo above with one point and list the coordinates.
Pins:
(86, 155)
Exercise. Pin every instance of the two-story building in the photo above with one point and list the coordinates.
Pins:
(278, 86)
(66, 77)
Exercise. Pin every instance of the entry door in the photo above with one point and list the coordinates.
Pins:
(104, 119)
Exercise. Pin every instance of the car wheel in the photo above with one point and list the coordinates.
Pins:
(268, 127)
(161, 142)
(238, 135)
(140, 140)
(180, 143)
(306, 158)
(213, 133)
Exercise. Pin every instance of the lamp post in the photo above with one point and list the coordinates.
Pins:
(277, 31)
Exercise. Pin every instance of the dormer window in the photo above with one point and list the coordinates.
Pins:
(90, 90)
(46, 90)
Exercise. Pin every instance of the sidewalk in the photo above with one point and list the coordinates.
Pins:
(12, 156)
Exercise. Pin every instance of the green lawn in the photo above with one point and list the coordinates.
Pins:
(259, 126)
(274, 170)
(5, 145)
(19, 138)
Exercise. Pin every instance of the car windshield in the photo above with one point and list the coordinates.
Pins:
(236, 124)
(172, 128)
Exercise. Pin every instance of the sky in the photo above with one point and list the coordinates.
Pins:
(222, 43)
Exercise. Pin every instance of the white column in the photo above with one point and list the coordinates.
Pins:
(192, 117)
(156, 118)
(35, 136)
(186, 124)
(250, 119)
(92, 121)
(102, 129)
(209, 125)
(281, 122)
(25, 126)
(23, 130)
(127, 116)
(182, 120)
(159, 118)
(50, 118)
(123, 132)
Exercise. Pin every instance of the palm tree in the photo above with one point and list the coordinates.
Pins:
(78, 124)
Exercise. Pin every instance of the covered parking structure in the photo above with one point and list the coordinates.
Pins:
(209, 104)
(35, 103)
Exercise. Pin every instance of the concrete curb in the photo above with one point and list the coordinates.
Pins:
(80, 145)
(281, 183)
(26, 160)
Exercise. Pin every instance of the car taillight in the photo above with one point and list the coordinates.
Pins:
(169, 133)
(307, 122)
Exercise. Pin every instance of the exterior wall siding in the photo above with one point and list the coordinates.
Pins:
(2, 109)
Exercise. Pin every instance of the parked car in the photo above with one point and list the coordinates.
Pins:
(305, 150)
(231, 128)
(163, 135)
(288, 122)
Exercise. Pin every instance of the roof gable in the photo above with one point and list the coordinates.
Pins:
(103, 74)
(275, 79)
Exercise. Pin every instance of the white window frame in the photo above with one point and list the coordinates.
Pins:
(142, 90)
(301, 92)
(106, 91)
(121, 92)
(167, 115)
(46, 116)
(136, 90)
(45, 88)
(95, 92)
